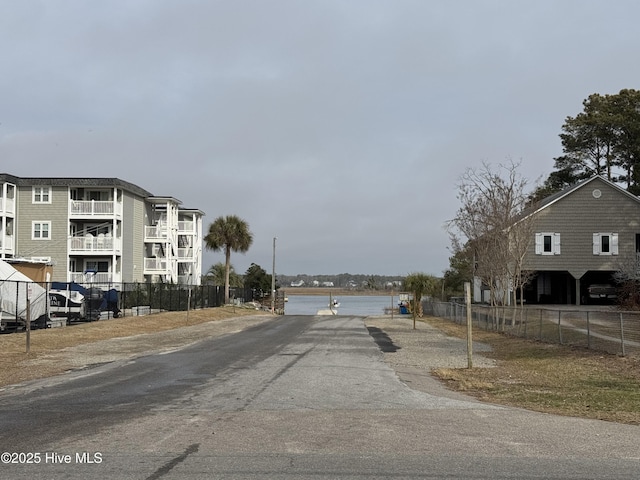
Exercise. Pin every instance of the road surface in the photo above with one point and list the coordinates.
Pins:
(293, 397)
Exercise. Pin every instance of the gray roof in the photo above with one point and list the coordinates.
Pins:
(75, 182)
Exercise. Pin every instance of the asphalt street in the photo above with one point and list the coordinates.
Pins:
(293, 397)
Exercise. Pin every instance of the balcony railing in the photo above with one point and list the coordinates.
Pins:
(91, 244)
(7, 243)
(7, 205)
(94, 208)
(185, 253)
(186, 226)
(155, 265)
(155, 233)
(97, 279)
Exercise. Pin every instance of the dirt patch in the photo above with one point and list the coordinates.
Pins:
(58, 350)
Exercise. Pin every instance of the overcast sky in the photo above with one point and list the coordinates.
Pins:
(340, 127)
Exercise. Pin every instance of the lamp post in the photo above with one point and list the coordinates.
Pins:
(273, 279)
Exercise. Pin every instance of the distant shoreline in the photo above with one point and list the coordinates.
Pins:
(338, 292)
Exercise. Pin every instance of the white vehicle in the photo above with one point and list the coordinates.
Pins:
(20, 297)
(66, 303)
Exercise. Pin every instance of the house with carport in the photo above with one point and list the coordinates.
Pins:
(582, 236)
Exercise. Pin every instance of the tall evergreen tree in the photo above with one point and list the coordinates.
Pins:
(257, 278)
(588, 139)
(603, 139)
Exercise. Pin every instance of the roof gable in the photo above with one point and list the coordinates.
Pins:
(556, 197)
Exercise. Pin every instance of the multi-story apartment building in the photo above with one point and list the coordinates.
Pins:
(102, 231)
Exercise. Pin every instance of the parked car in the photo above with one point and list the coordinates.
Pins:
(602, 291)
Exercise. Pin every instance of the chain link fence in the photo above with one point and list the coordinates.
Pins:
(607, 330)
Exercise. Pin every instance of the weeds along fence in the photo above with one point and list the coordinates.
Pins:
(611, 331)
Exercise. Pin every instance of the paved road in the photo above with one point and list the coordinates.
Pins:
(295, 397)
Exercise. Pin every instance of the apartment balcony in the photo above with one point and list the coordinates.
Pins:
(99, 244)
(7, 206)
(7, 243)
(156, 233)
(186, 227)
(155, 266)
(95, 209)
(97, 279)
(185, 254)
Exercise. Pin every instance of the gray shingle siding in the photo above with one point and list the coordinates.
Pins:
(577, 216)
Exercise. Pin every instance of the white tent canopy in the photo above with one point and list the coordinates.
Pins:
(15, 287)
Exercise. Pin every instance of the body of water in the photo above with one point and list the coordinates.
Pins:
(349, 304)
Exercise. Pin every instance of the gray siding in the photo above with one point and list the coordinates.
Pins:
(56, 212)
(133, 223)
(577, 217)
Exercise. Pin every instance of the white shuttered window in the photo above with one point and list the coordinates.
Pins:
(605, 243)
(547, 243)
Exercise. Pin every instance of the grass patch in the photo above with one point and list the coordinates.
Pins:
(548, 378)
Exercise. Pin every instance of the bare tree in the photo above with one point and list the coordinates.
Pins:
(627, 279)
(491, 221)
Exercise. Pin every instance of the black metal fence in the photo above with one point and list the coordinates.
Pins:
(606, 330)
(168, 297)
(41, 302)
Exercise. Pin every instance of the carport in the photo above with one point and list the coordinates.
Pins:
(563, 287)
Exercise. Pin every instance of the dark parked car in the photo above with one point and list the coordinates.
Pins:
(603, 291)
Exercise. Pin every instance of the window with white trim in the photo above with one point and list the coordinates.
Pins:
(547, 243)
(605, 243)
(40, 230)
(41, 194)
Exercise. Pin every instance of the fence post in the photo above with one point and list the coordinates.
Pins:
(28, 319)
(622, 333)
(467, 288)
(588, 332)
(559, 328)
(540, 327)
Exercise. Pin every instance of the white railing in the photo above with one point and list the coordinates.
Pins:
(155, 233)
(185, 253)
(88, 279)
(94, 208)
(155, 265)
(7, 205)
(7, 243)
(88, 244)
(186, 226)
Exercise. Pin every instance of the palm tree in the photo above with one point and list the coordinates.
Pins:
(228, 234)
(216, 275)
(418, 284)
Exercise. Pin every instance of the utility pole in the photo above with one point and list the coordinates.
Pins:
(273, 279)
